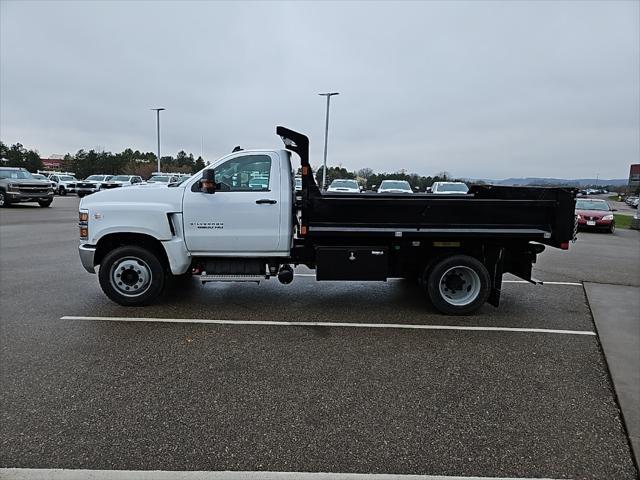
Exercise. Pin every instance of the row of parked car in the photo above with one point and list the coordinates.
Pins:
(64, 183)
(19, 185)
(397, 186)
(632, 201)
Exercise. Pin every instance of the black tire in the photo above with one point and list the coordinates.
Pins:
(458, 285)
(62, 191)
(80, 195)
(612, 227)
(144, 273)
(45, 203)
(4, 201)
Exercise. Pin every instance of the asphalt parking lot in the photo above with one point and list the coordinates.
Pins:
(96, 394)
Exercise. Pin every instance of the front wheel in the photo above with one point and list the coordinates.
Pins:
(131, 276)
(458, 285)
(62, 191)
(4, 201)
(612, 227)
(80, 195)
(45, 203)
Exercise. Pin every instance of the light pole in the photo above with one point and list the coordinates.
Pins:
(158, 110)
(326, 136)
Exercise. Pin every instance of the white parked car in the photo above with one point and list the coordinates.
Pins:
(344, 185)
(395, 186)
(92, 184)
(449, 188)
(63, 184)
(166, 179)
(126, 180)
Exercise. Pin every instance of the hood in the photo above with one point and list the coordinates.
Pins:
(28, 183)
(136, 196)
(594, 213)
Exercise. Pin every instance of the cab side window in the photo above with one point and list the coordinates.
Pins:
(248, 173)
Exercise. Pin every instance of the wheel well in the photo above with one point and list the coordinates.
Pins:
(115, 240)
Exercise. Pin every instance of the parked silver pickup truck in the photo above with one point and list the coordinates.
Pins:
(18, 185)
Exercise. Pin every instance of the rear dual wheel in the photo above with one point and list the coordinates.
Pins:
(458, 285)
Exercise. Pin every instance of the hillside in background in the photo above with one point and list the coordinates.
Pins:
(575, 182)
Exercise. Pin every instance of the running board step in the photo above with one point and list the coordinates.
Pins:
(204, 278)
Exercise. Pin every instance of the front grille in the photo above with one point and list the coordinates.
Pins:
(114, 185)
(29, 189)
(85, 185)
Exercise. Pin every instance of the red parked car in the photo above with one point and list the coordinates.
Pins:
(595, 214)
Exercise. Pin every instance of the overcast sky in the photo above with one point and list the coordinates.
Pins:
(480, 89)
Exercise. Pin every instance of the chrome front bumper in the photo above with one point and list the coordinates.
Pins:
(87, 252)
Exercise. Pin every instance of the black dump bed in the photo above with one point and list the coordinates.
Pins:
(539, 214)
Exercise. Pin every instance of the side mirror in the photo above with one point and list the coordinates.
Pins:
(207, 183)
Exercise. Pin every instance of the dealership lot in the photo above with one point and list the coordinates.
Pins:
(82, 392)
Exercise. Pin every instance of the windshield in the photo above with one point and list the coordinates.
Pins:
(67, 178)
(396, 184)
(121, 178)
(453, 187)
(179, 181)
(592, 205)
(17, 174)
(344, 184)
(38, 176)
(159, 178)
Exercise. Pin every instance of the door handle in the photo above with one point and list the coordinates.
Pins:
(264, 201)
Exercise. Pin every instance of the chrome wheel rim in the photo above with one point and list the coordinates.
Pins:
(1, 199)
(459, 286)
(130, 276)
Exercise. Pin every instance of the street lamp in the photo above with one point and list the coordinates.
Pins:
(158, 110)
(326, 135)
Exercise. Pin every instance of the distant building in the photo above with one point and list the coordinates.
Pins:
(634, 178)
(53, 162)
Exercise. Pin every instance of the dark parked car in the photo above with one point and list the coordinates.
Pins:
(595, 214)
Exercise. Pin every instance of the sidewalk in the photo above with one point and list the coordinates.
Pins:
(616, 312)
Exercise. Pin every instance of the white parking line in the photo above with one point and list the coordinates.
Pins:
(572, 284)
(329, 324)
(66, 474)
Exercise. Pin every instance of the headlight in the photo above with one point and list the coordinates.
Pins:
(83, 224)
(607, 217)
(579, 216)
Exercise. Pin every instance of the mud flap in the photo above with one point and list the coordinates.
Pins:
(494, 261)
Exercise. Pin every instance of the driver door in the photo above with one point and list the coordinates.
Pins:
(243, 215)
